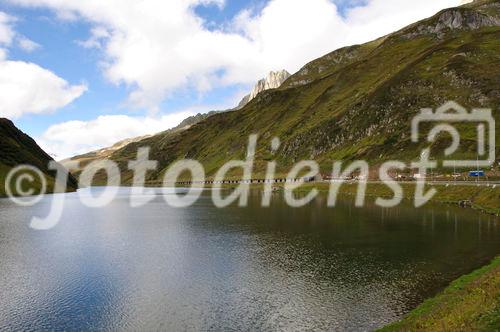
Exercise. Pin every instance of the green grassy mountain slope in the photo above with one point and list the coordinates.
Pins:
(272, 80)
(356, 102)
(17, 148)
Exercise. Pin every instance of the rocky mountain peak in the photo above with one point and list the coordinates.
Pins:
(273, 80)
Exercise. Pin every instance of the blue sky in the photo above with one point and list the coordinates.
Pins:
(61, 54)
(114, 69)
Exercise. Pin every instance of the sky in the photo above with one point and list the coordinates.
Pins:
(81, 75)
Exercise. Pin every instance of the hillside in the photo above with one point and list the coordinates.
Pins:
(17, 148)
(356, 102)
(106, 153)
(271, 81)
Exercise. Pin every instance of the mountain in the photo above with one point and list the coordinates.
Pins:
(17, 148)
(354, 103)
(100, 154)
(106, 153)
(273, 81)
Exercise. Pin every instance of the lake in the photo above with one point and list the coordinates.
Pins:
(204, 268)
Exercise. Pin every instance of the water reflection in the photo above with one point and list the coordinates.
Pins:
(159, 268)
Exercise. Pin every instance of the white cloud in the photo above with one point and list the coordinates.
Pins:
(98, 35)
(28, 88)
(71, 138)
(157, 46)
(27, 44)
(8, 35)
(6, 32)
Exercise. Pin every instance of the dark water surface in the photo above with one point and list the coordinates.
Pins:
(203, 268)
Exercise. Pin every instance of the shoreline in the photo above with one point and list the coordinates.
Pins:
(470, 302)
(482, 198)
(485, 199)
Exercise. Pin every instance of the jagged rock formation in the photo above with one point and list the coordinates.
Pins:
(464, 19)
(472, 16)
(273, 81)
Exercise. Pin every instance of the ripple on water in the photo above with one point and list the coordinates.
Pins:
(202, 268)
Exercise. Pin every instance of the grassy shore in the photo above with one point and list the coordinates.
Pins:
(482, 198)
(470, 303)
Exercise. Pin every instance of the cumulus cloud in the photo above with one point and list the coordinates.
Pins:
(156, 46)
(77, 137)
(28, 88)
(25, 87)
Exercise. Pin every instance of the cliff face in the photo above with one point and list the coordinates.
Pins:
(273, 81)
(472, 16)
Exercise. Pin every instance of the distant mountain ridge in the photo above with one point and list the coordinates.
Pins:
(104, 153)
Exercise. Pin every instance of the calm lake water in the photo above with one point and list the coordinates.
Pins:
(203, 268)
